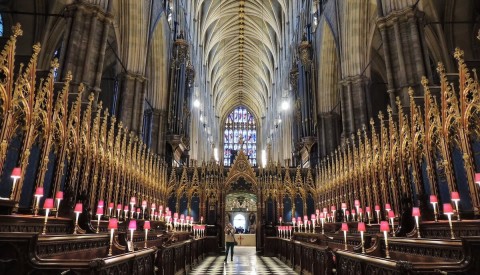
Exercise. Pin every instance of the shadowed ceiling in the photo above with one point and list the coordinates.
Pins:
(241, 42)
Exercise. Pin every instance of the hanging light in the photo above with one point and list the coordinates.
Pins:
(196, 104)
(285, 105)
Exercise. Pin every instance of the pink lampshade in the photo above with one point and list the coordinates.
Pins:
(367, 209)
(305, 218)
(146, 225)
(39, 191)
(182, 216)
(433, 199)
(322, 215)
(325, 210)
(347, 212)
(416, 212)
(384, 226)
(317, 211)
(388, 207)
(100, 204)
(138, 210)
(354, 212)
(16, 173)
(361, 227)
(360, 210)
(477, 178)
(447, 208)
(201, 218)
(155, 213)
(132, 225)
(119, 206)
(344, 205)
(126, 208)
(113, 223)
(99, 211)
(78, 208)
(299, 222)
(299, 219)
(377, 207)
(280, 218)
(175, 215)
(187, 218)
(144, 203)
(391, 214)
(455, 196)
(133, 200)
(153, 206)
(48, 203)
(357, 203)
(313, 217)
(333, 208)
(344, 226)
(110, 205)
(328, 215)
(167, 209)
(59, 195)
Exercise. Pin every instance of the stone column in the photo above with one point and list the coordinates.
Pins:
(404, 58)
(84, 48)
(132, 93)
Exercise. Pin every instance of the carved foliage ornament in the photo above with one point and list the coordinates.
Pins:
(305, 52)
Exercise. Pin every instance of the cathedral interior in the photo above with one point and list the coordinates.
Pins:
(336, 136)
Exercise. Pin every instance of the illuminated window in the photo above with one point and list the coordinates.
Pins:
(240, 126)
(1, 25)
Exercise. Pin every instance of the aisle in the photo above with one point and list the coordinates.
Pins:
(245, 261)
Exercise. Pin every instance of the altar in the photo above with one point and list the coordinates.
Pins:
(245, 239)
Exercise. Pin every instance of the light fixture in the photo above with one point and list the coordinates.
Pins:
(196, 103)
(285, 105)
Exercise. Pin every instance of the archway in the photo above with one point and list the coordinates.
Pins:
(241, 211)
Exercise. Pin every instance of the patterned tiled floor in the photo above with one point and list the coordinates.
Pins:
(245, 261)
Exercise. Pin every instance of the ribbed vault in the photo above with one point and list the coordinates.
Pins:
(240, 40)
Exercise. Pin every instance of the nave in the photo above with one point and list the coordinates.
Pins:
(245, 261)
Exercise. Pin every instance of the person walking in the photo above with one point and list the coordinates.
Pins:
(229, 240)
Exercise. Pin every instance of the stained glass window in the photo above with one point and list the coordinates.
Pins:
(240, 126)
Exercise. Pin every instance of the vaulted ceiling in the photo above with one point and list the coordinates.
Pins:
(241, 43)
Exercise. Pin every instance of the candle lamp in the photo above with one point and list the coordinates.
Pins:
(78, 209)
(377, 211)
(38, 195)
(146, 227)
(138, 213)
(388, 208)
(333, 208)
(182, 218)
(155, 216)
(280, 220)
(369, 211)
(434, 201)
(133, 200)
(328, 217)
(47, 205)
(99, 216)
(309, 223)
(317, 213)
(344, 208)
(300, 225)
(125, 212)
(347, 214)
(345, 229)
(132, 226)
(360, 214)
(144, 205)
(313, 217)
(187, 221)
(385, 228)
(477, 178)
(456, 198)
(357, 206)
(100, 204)
(58, 198)
(322, 218)
(294, 221)
(16, 174)
(160, 212)
(325, 212)
(361, 229)
(201, 219)
(416, 214)
(391, 217)
(119, 209)
(447, 210)
(110, 207)
(152, 208)
(353, 215)
(112, 225)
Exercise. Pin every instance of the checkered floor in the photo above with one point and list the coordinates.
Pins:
(245, 261)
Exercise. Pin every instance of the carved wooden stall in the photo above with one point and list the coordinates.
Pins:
(85, 195)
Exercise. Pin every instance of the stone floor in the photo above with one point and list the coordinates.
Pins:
(245, 261)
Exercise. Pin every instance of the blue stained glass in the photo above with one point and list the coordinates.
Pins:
(240, 124)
